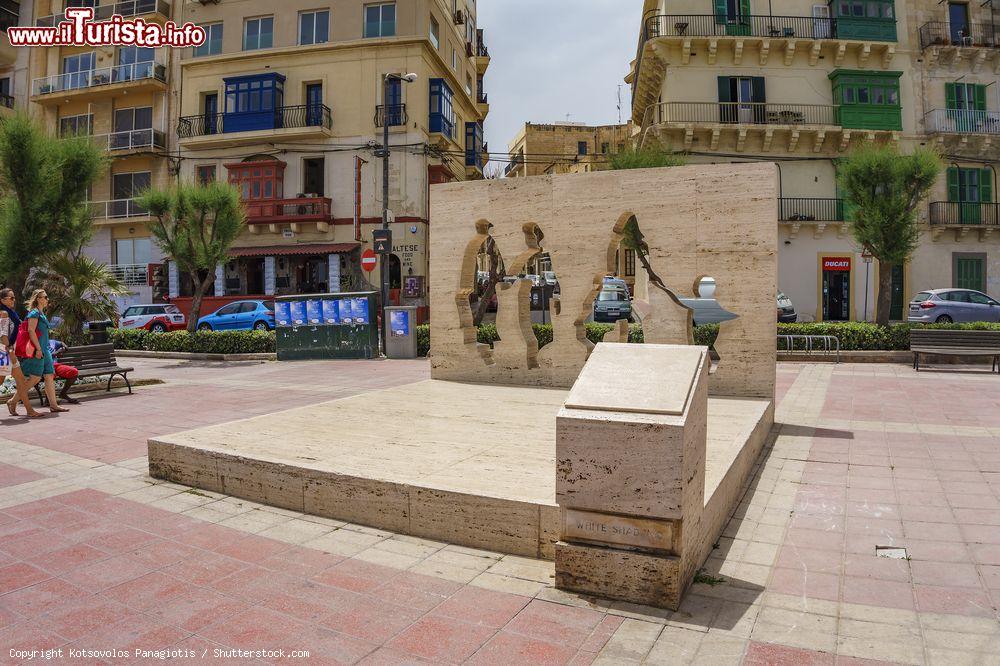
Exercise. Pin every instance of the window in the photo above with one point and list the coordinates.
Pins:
(581, 148)
(965, 96)
(137, 118)
(605, 148)
(76, 71)
(868, 100)
(72, 125)
(873, 9)
(474, 145)
(251, 102)
(968, 188)
(258, 180)
(629, 263)
(213, 41)
(454, 59)
(231, 309)
(442, 113)
(206, 174)
(258, 33)
(133, 251)
(969, 270)
(5, 86)
(435, 33)
(380, 20)
(468, 85)
(314, 27)
(125, 186)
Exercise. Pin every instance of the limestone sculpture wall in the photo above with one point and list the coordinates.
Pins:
(704, 220)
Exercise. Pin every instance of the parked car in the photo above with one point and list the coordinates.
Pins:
(156, 318)
(615, 282)
(612, 303)
(240, 315)
(944, 306)
(786, 310)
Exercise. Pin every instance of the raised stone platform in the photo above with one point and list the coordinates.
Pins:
(467, 464)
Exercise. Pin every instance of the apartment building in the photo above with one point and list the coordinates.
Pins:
(122, 97)
(799, 84)
(564, 147)
(13, 61)
(290, 105)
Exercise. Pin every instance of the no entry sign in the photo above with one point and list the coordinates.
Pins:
(368, 260)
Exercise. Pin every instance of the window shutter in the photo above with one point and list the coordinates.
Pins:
(986, 186)
(952, 179)
(724, 95)
(720, 12)
(979, 92)
(745, 11)
(757, 93)
(950, 98)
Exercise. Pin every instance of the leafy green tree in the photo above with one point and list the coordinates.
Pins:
(883, 189)
(645, 158)
(81, 290)
(43, 210)
(195, 225)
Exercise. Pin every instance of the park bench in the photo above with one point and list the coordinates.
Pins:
(92, 361)
(933, 342)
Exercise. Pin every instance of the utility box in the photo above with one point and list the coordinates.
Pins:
(326, 326)
(401, 337)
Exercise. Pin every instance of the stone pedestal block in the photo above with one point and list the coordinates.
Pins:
(630, 471)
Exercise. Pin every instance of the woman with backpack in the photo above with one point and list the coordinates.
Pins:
(33, 351)
(8, 360)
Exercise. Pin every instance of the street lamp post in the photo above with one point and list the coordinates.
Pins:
(387, 115)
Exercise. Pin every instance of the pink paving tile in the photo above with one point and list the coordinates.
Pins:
(66, 559)
(137, 632)
(301, 561)
(16, 576)
(977, 516)
(371, 619)
(602, 633)
(881, 568)
(442, 639)
(15, 476)
(42, 597)
(932, 531)
(482, 607)
(822, 523)
(953, 600)
(815, 539)
(875, 592)
(357, 576)
(884, 527)
(162, 553)
(945, 573)
(980, 533)
(962, 501)
(197, 608)
(116, 539)
(985, 553)
(927, 514)
(810, 559)
(107, 573)
(556, 623)
(74, 620)
(938, 551)
(309, 601)
(875, 510)
(255, 583)
(769, 654)
(205, 568)
(32, 542)
(390, 657)
(416, 591)
(33, 508)
(991, 576)
(209, 536)
(26, 637)
(147, 591)
(507, 648)
(252, 548)
(258, 629)
(804, 582)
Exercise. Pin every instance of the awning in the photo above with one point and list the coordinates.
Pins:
(293, 250)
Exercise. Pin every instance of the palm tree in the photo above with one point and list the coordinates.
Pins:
(80, 289)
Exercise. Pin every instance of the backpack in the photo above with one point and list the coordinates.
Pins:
(23, 348)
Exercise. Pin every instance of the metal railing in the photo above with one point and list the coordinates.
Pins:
(481, 50)
(99, 77)
(515, 162)
(810, 209)
(131, 275)
(288, 209)
(827, 344)
(300, 115)
(961, 213)
(741, 113)
(117, 208)
(941, 33)
(779, 27)
(104, 12)
(7, 100)
(962, 121)
(393, 114)
(132, 139)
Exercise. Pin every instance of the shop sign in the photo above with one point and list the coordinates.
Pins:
(836, 263)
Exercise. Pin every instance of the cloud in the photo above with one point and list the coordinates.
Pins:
(550, 58)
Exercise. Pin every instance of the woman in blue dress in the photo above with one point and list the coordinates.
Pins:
(40, 364)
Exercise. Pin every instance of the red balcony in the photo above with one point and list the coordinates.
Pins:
(292, 211)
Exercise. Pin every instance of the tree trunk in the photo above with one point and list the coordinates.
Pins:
(201, 285)
(883, 301)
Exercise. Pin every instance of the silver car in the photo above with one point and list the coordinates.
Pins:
(943, 306)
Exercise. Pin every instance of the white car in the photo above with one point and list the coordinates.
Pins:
(156, 318)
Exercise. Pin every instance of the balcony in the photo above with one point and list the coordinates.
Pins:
(295, 212)
(963, 218)
(302, 121)
(159, 8)
(515, 163)
(964, 131)
(91, 83)
(117, 209)
(819, 213)
(948, 43)
(130, 275)
(482, 103)
(132, 141)
(481, 54)
(394, 114)
(666, 37)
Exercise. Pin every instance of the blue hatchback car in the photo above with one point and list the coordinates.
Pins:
(240, 315)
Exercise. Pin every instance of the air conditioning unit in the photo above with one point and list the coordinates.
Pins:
(459, 17)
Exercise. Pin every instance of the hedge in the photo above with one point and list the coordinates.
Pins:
(853, 336)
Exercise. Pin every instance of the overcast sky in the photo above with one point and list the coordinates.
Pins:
(550, 58)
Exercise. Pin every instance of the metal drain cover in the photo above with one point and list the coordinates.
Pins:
(892, 552)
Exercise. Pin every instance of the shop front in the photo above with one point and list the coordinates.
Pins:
(836, 286)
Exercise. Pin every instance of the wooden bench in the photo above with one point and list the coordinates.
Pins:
(932, 342)
(91, 361)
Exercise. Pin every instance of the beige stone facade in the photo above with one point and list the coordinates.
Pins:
(564, 148)
(799, 84)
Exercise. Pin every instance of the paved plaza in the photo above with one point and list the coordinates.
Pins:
(95, 555)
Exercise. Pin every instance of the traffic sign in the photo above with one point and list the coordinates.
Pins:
(382, 239)
(369, 260)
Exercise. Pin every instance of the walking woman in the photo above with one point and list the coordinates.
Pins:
(7, 335)
(40, 364)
